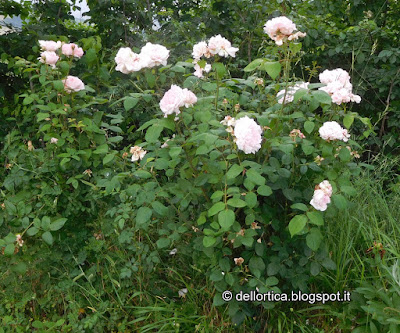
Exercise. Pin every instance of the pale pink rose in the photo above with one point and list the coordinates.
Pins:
(49, 58)
(73, 84)
(248, 135)
(338, 86)
(320, 200)
(326, 187)
(137, 153)
(72, 49)
(53, 140)
(331, 130)
(297, 35)
(155, 53)
(128, 61)
(172, 100)
(228, 121)
(199, 70)
(279, 28)
(199, 50)
(189, 98)
(221, 46)
(49, 45)
(290, 92)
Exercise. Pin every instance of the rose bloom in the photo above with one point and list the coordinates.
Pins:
(338, 86)
(72, 50)
(290, 92)
(49, 58)
(49, 45)
(331, 130)
(199, 71)
(137, 153)
(53, 140)
(279, 28)
(322, 196)
(199, 50)
(128, 61)
(172, 100)
(248, 135)
(189, 98)
(73, 84)
(221, 46)
(155, 53)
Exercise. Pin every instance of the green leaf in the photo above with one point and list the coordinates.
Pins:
(209, 241)
(226, 218)
(315, 218)
(256, 266)
(108, 158)
(130, 102)
(9, 250)
(91, 56)
(235, 202)
(272, 68)
(251, 199)
(159, 208)
(297, 224)
(150, 78)
(143, 215)
(255, 177)
(307, 149)
(142, 174)
(344, 154)
(153, 133)
(348, 120)
(163, 242)
(314, 239)
(339, 201)
(322, 97)
(234, 171)
(102, 149)
(253, 65)
(32, 231)
(216, 208)
(309, 126)
(299, 206)
(175, 151)
(48, 237)
(40, 116)
(220, 69)
(57, 224)
(28, 100)
(264, 190)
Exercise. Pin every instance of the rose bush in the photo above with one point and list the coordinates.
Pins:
(222, 172)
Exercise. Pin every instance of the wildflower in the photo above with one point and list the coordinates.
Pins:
(182, 292)
(238, 261)
(248, 135)
(331, 130)
(137, 153)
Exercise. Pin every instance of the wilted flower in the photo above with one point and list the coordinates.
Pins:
(53, 140)
(228, 121)
(255, 226)
(173, 251)
(259, 81)
(49, 58)
(238, 261)
(318, 160)
(19, 240)
(49, 45)
(137, 153)
(322, 196)
(237, 107)
(296, 132)
(182, 292)
(73, 84)
(72, 49)
(281, 28)
(88, 172)
(338, 86)
(331, 130)
(248, 135)
(30, 146)
(154, 54)
(165, 144)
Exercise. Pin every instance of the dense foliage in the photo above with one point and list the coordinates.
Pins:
(132, 173)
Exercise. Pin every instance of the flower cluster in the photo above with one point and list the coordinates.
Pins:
(151, 55)
(322, 196)
(217, 45)
(338, 86)
(331, 130)
(229, 122)
(290, 91)
(50, 57)
(281, 29)
(137, 153)
(296, 133)
(175, 98)
(248, 135)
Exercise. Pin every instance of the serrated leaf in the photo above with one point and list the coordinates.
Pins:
(255, 177)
